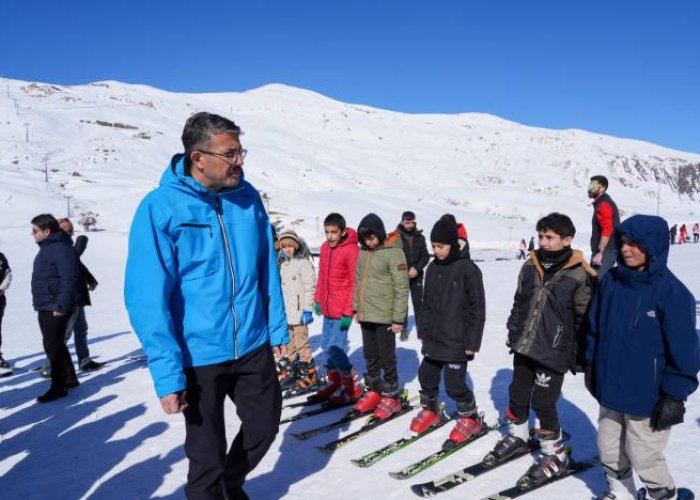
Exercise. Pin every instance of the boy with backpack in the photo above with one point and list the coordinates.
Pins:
(380, 303)
(451, 327)
(551, 301)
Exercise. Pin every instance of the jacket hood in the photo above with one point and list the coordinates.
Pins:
(303, 252)
(371, 224)
(175, 177)
(56, 237)
(651, 233)
(350, 239)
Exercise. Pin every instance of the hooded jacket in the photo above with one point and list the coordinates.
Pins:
(453, 311)
(202, 284)
(55, 274)
(547, 314)
(381, 291)
(415, 248)
(298, 282)
(336, 276)
(642, 339)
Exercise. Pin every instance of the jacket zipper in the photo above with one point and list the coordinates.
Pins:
(364, 282)
(229, 260)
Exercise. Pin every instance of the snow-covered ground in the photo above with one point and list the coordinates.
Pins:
(110, 440)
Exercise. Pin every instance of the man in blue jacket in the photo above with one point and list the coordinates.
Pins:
(54, 277)
(204, 297)
(645, 359)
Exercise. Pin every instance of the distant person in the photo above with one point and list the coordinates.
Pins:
(522, 249)
(5, 280)
(203, 294)
(672, 233)
(298, 286)
(85, 283)
(531, 244)
(643, 359)
(335, 288)
(452, 326)
(696, 232)
(605, 217)
(544, 328)
(54, 277)
(380, 304)
(417, 256)
(682, 234)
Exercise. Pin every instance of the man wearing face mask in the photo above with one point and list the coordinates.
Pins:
(605, 217)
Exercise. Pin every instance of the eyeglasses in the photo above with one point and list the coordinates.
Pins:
(229, 157)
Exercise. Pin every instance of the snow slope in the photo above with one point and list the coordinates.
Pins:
(109, 439)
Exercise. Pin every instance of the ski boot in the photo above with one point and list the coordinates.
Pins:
(308, 377)
(428, 416)
(553, 461)
(469, 425)
(512, 443)
(620, 485)
(332, 384)
(288, 373)
(665, 494)
(387, 407)
(368, 402)
(349, 389)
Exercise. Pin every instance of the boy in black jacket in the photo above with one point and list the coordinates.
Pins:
(554, 288)
(451, 325)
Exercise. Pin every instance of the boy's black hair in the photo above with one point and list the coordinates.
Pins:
(335, 219)
(46, 221)
(559, 223)
(600, 179)
(408, 215)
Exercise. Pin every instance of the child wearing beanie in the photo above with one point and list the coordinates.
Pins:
(298, 370)
(451, 327)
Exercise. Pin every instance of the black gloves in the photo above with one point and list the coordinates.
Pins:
(667, 412)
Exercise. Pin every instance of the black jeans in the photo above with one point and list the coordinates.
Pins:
(53, 333)
(416, 288)
(251, 383)
(534, 384)
(454, 374)
(379, 348)
(3, 303)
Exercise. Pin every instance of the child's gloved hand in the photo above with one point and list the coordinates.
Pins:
(306, 318)
(345, 322)
(317, 308)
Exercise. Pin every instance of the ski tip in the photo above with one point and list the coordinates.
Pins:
(421, 491)
(397, 475)
(356, 461)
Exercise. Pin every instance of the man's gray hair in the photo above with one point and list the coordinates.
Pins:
(201, 127)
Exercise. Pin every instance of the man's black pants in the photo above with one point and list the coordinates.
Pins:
(251, 383)
(53, 334)
(537, 385)
(3, 302)
(454, 374)
(379, 349)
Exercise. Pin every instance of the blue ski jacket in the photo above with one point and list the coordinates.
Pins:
(202, 284)
(642, 339)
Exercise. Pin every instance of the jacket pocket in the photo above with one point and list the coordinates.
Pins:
(198, 250)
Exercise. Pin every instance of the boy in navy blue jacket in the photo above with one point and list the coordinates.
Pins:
(643, 359)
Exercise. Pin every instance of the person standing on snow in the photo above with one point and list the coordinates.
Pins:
(5, 280)
(642, 359)
(203, 294)
(417, 256)
(605, 217)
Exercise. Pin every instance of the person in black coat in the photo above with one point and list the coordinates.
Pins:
(451, 326)
(54, 278)
(417, 256)
(5, 280)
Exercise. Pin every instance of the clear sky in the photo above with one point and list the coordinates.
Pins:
(629, 68)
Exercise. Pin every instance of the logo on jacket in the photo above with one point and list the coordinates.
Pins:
(651, 313)
(542, 379)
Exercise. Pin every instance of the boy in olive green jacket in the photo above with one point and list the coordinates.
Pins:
(380, 305)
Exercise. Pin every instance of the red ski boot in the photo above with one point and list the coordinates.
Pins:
(369, 400)
(332, 385)
(387, 408)
(426, 419)
(349, 389)
(468, 426)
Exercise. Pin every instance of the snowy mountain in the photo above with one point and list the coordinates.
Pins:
(495, 175)
(106, 144)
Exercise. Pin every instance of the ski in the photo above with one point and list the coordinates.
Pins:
(448, 448)
(370, 424)
(295, 392)
(518, 490)
(375, 456)
(316, 411)
(682, 494)
(488, 463)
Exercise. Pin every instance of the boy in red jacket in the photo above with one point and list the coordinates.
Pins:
(335, 288)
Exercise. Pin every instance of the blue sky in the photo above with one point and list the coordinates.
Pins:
(621, 67)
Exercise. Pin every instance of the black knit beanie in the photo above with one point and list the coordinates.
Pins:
(444, 231)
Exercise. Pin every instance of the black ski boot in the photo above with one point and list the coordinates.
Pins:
(553, 461)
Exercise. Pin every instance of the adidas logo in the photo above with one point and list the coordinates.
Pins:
(651, 313)
(542, 379)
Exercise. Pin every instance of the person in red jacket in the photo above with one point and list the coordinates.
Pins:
(335, 288)
(605, 217)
